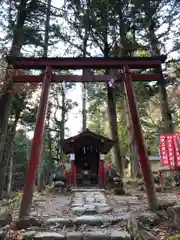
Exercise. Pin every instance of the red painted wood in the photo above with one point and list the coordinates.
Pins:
(73, 170)
(73, 166)
(78, 78)
(101, 172)
(142, 151)
(99, 175)
(36, 146)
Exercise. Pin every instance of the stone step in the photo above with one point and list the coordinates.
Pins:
(89, 220)
(92, 235)
(94, 190)
(91, 209)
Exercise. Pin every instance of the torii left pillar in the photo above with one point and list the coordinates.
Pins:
(36, 146)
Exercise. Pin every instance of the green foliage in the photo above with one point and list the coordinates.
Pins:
(111, 28)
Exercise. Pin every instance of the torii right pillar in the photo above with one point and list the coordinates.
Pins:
(141, 148)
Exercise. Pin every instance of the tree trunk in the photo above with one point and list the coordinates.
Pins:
(84, 121)
(116, 153)
(62, 121)
(41, 180)
(47, 25)
(41, 177)
(134, 159)
(84, 85)
(17, 43)
(165, 111)
(164, 106)
(112, 114)
(7, 151)
(136, 172)
(49, 139)
(4, 127)
(10, 175)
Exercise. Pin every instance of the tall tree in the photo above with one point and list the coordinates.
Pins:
(101, 33)
(159, 15)
(41, 182)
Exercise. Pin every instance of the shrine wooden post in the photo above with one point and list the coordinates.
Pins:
(36, 146)
(101, 165)
(73, 166)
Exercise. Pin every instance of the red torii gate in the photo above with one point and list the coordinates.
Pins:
(125, 65)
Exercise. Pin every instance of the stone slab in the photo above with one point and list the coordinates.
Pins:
(96, 235)
(88, 190)
(49, 236)
(29, 235)
(90, 200)
(89, 220)
(115, 219)
(120, 235)
(87, 210)
(74, 236)
(76, 205)
(102, 210)
(97, 204)
(59, 221)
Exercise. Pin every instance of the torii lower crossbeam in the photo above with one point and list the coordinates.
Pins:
(78, 78)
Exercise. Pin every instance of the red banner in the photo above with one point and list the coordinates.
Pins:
(176, 143)
(178, 137)
(169, 149)
(163, 151)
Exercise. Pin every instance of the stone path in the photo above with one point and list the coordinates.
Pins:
(94, 214)
(90, 217)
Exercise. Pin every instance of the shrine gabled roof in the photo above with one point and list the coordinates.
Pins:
(87, 137)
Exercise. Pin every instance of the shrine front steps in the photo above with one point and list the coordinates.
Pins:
(62, 229)
(88, 220)
(93, 219)
(90, 235)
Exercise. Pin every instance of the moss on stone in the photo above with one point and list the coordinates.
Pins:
(174, 237)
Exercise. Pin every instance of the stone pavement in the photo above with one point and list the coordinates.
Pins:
(94, 214)
(90, 217)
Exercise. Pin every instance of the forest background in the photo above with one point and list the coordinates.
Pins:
(85, 28)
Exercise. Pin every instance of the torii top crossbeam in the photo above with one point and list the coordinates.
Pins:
(81, 63)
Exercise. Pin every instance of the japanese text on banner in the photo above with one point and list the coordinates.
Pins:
(170, 147)
(163, 151)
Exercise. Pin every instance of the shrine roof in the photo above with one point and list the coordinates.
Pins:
(87, 137)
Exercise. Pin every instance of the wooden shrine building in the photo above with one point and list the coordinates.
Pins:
(87, 151)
